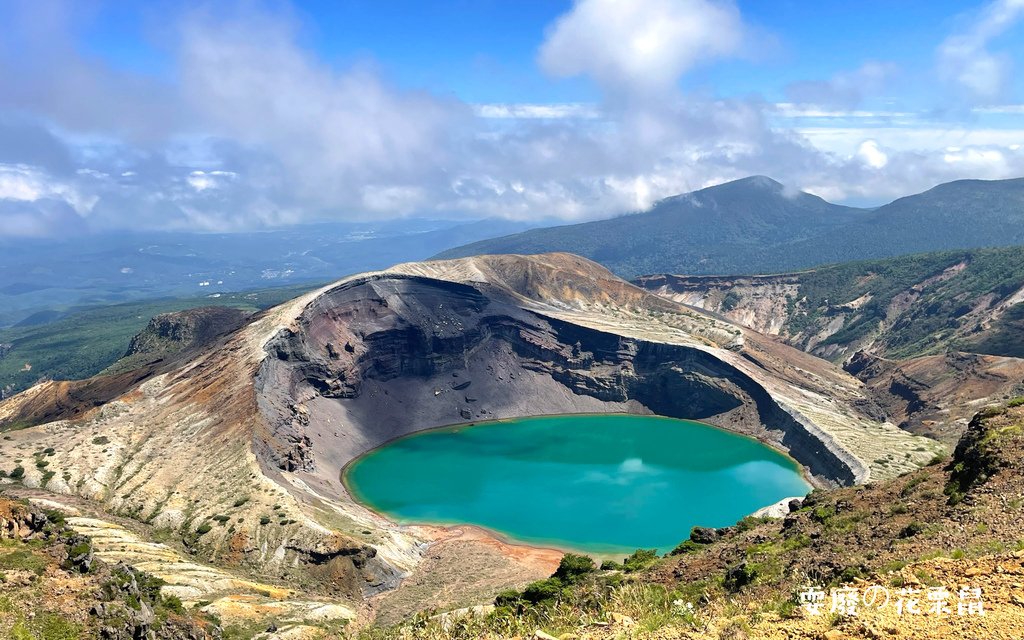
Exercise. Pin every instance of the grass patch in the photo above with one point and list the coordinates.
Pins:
(912, 484)
(22, 559)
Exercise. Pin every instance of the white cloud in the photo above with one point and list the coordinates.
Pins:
(34, 204)
(982, 159)
(267, 133)
(640, 45)
(925, 137)
(536, 111)
(793, 110)
(1012, 109)
(20, 183)
(203, 180)
(873, 156)
(30, 184)
(332, 132)
(965, 58)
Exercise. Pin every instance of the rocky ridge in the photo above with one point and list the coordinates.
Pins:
(170, 334)
(897, 308)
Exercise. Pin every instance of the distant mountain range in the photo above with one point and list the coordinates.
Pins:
(756, 225)
(41, 280)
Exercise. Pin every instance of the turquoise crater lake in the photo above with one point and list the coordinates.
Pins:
(594, 483)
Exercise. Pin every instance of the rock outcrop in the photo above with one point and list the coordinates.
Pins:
(170, 334)
(936, 396)
(758, 302)
(19, 522)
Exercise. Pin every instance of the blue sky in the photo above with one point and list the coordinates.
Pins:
(247, 114)
(486, 51)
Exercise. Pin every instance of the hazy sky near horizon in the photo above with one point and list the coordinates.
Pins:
(239, 115)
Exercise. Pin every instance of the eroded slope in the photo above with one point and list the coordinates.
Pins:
(899, 307)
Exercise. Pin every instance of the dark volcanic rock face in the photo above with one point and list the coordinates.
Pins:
(381, 357)
(179, 330)
(172, 337)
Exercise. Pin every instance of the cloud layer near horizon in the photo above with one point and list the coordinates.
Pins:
(252, 129)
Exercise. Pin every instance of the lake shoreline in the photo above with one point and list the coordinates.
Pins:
(612, 550)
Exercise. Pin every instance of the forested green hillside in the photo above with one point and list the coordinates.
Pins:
(87, 341)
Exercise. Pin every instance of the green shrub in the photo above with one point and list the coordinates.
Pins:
(823, 513)
(953, 492)
(545, 590)
(173, 603)
(739, 576)
(787, 609)
(912, 484)
(573, 566)
(265, 520)
(851, 573)
(731, 300)
(101, 440)
(241, 501)
(641, 559)
(910, 530)
(992, 412)
(508, 598)
(204, 529)
(20, 631)
(18, 472)
(749, 522)
(686, 546)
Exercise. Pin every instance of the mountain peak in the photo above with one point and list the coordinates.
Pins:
(750, 183)
(758, 181)
(752, 186)
(757, 186)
